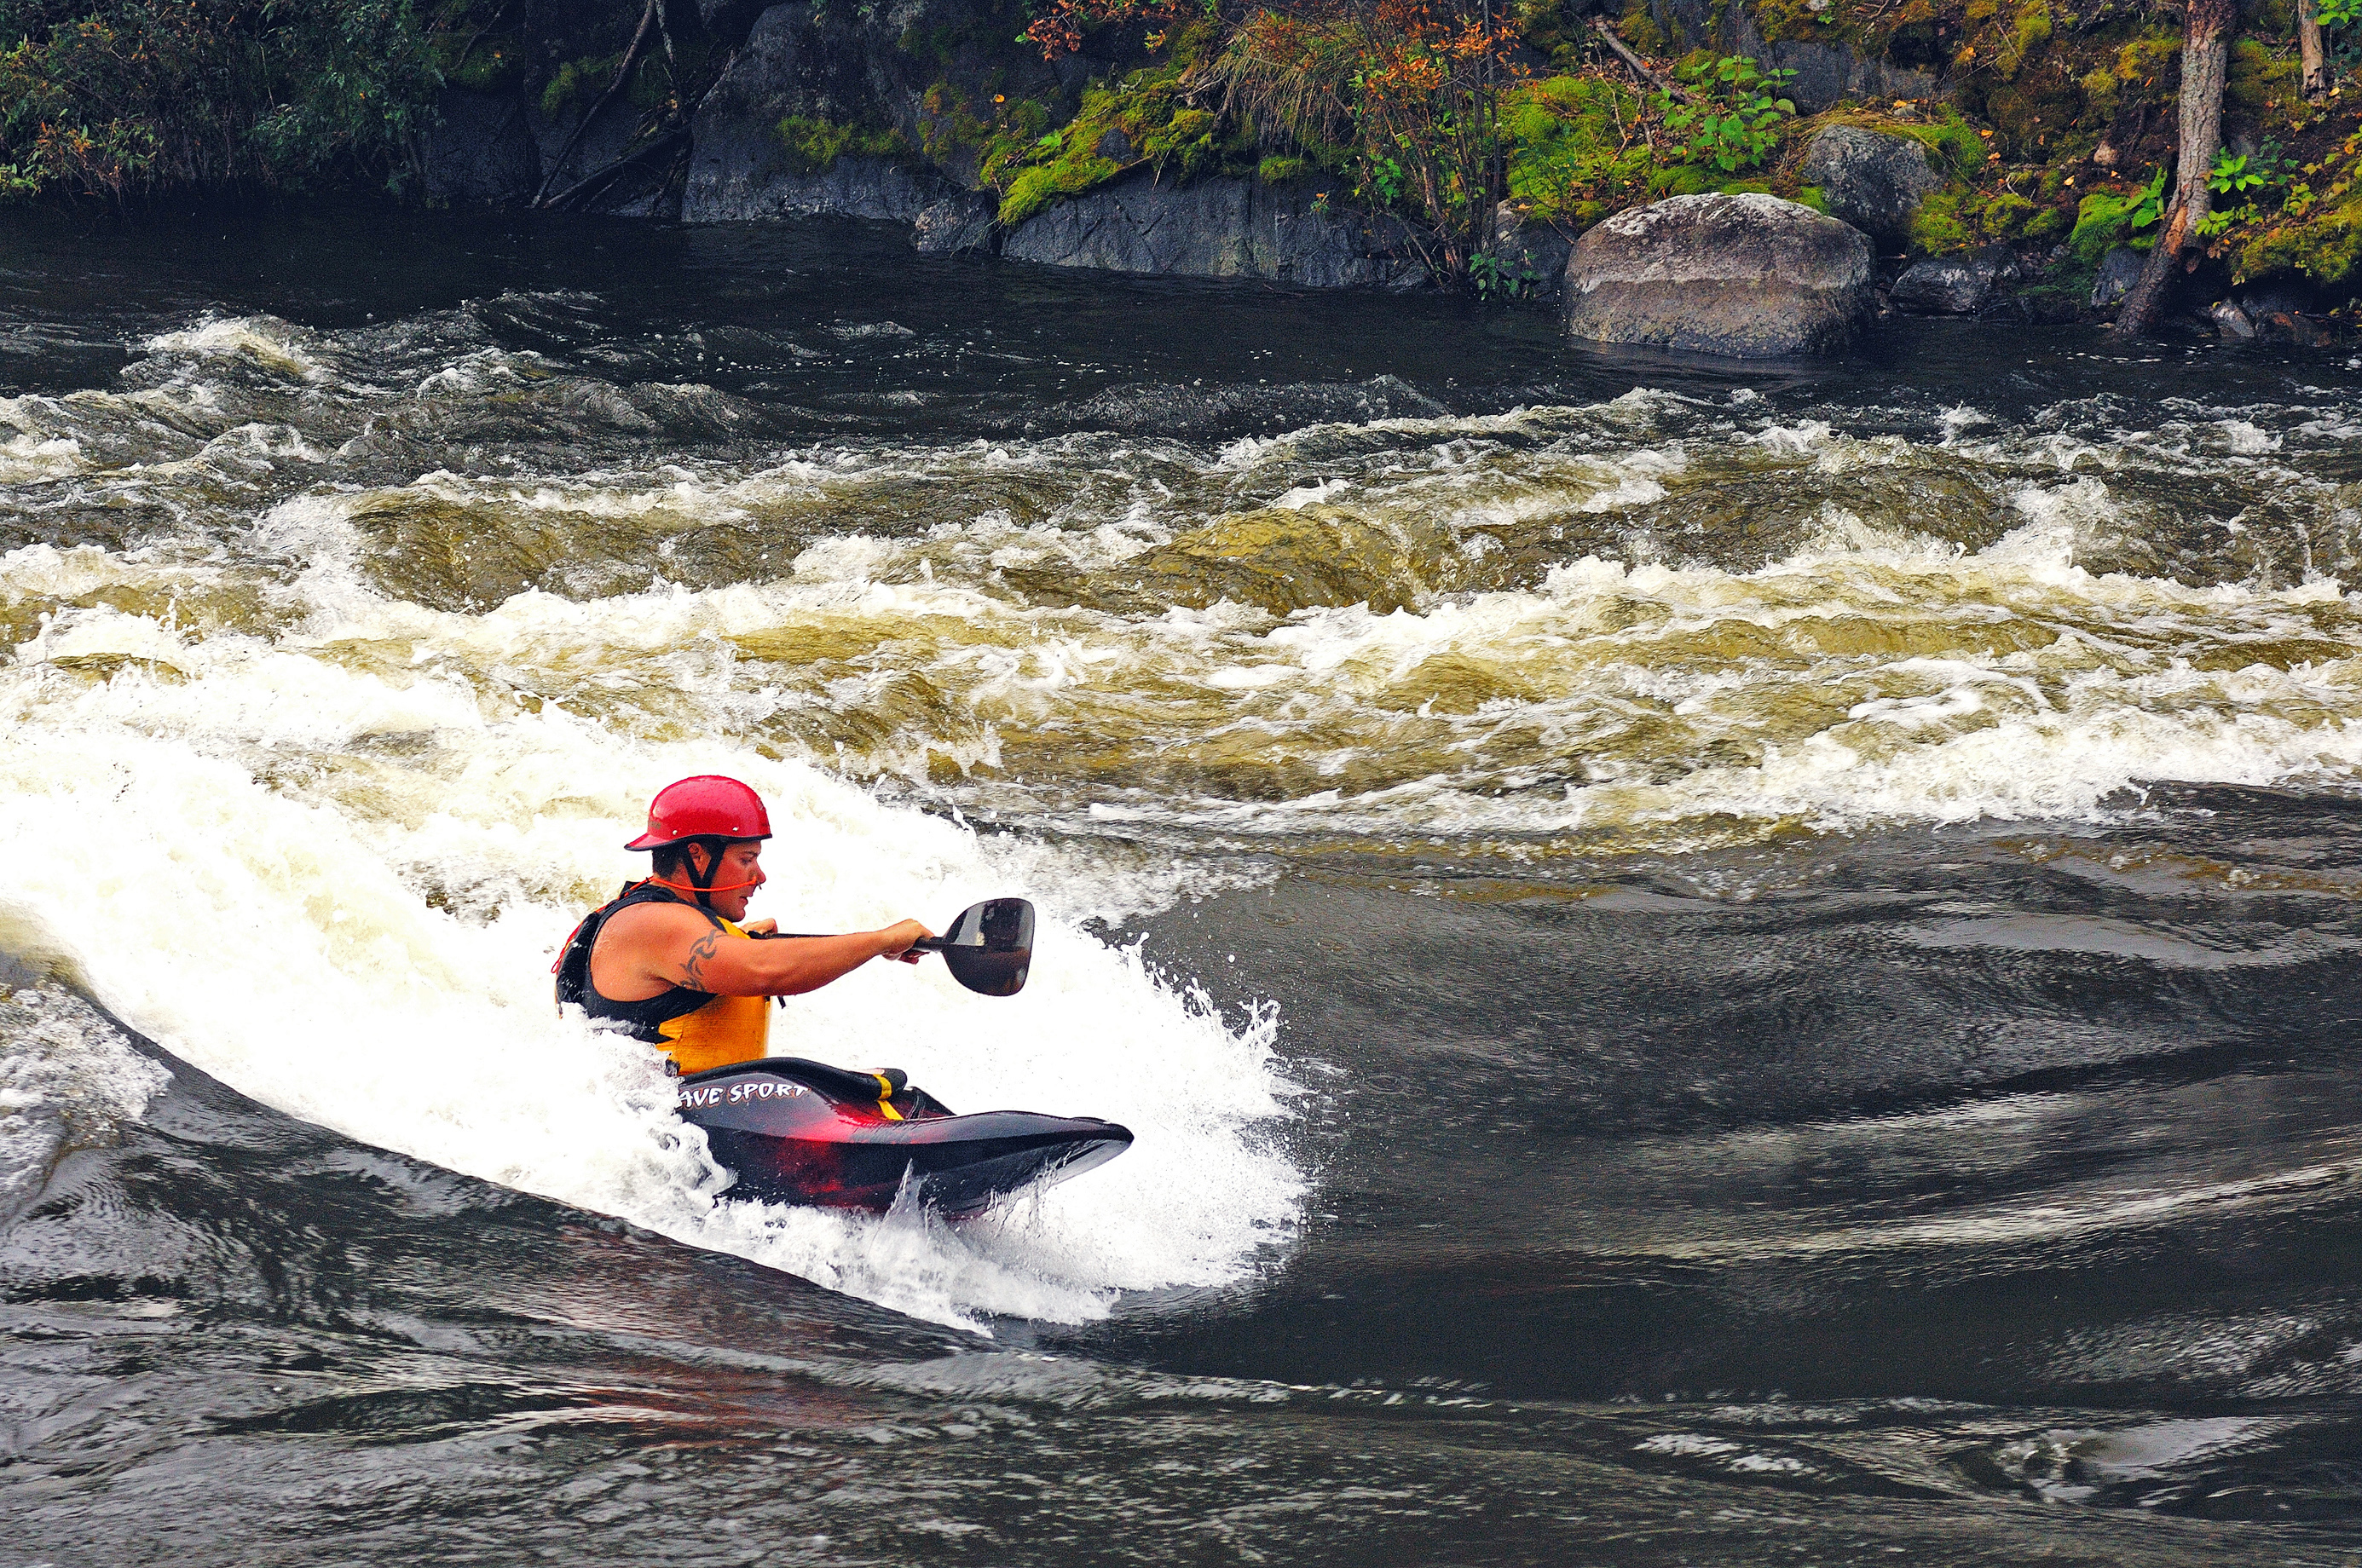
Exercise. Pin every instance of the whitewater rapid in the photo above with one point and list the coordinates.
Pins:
(322, 730)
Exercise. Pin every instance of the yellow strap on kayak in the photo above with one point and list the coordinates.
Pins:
(885, 1097)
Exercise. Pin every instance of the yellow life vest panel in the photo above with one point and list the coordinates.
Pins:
(725, 1030)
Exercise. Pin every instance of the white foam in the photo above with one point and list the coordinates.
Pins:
(366, 945)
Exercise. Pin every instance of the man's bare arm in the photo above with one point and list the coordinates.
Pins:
(679, 947)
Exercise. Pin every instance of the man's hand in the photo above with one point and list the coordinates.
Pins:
(897, 939)
(760, 927)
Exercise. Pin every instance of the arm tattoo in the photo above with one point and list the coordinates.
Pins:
(692, 970)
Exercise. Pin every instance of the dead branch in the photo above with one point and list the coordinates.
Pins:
(585, 186)
(623, 74)
(1641, 68)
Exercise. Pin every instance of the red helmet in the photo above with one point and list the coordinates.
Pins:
(708, 805)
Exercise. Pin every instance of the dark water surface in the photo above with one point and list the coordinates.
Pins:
(1714, 963)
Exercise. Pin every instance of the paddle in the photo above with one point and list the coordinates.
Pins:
(989, 948)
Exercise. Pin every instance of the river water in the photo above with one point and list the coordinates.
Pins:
(1711, 963)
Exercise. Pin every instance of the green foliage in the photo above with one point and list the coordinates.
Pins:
(2104, 220)
(2231, 175)
(2339, 13)
(1734, 120)
(121, 97)
(1277, 171)
(1495, 280)
(2221, 220)
(813, 144)
(2150, 209)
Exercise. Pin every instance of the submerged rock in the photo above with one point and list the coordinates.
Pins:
(1201, 412)
(967, 224)
(1868, 179)
(1218, 228)
(2289, 326)
(1954, 285)
(1749, 276)
(2230, 321)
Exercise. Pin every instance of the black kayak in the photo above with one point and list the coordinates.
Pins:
(802, 1132)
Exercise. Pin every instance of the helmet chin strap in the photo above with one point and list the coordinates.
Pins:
(703, 888)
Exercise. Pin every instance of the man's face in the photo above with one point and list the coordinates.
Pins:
(740, 863)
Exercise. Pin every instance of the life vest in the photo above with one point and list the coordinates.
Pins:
(696, 1028)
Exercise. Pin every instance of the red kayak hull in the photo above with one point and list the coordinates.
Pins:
(802, 1132)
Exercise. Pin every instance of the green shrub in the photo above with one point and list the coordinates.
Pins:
(1733, 119)
(121, 97)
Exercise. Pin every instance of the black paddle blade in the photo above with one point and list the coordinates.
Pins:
(990, 949)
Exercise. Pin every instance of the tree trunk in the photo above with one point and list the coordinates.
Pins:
(2206, 57)
(2309, 50)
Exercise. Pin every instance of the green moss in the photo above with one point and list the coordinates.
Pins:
(582, 80)
(1701, 180)
(1280, 171)
(1567, 157)
(814, 144)
(2004, 214)
(2326, 246)
(1953, 146)
(1939, 228)
(2319, 234)
(1638, 27)
(2257, 76)
(1036, 187)
(1139, 121)
(2030, 33)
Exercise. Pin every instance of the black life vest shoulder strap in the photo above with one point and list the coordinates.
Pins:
(573, 967)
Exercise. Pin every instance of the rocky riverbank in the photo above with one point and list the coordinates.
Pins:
(1986, 162)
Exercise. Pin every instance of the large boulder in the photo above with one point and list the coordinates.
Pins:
(1218, 228)
(1868, 179)
(1962, 285)
(1749, 276)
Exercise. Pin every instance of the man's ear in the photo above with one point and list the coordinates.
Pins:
(701, 860)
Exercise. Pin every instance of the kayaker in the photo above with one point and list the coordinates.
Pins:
(667, 960)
